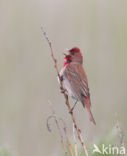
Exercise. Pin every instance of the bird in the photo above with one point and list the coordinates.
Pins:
(74, 79)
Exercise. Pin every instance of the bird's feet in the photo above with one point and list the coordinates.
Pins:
(62, 90)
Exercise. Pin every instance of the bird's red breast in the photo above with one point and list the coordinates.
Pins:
(67, 60)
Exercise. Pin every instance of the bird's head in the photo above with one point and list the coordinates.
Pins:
(74, 55)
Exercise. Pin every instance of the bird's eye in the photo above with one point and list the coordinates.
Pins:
(72, 53)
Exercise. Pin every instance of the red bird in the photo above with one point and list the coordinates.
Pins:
(74, 79)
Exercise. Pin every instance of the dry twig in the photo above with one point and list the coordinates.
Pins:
(58, 127)
(65, 96)
(75, 143)
(120, 132)
(67, 139)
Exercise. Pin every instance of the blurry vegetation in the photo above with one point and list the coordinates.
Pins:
(5, 152)
(110, 140)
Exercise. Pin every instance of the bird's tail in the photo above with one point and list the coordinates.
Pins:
(91, 116)
(87, 106)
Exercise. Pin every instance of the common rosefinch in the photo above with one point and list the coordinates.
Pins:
(74, 79)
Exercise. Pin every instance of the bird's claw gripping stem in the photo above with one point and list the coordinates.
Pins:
(62, 90)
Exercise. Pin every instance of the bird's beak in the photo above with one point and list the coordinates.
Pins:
(64, 54)
(67, 51)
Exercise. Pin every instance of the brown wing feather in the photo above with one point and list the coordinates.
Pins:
(78, 80)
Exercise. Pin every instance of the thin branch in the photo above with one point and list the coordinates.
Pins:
(120, 132)
(67, 139)
(65, 96)
(58, 127)
(51, 49)
(75, 143)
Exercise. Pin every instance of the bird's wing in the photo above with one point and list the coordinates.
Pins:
(77, 79)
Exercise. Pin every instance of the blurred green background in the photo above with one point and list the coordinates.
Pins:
(28, 79)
